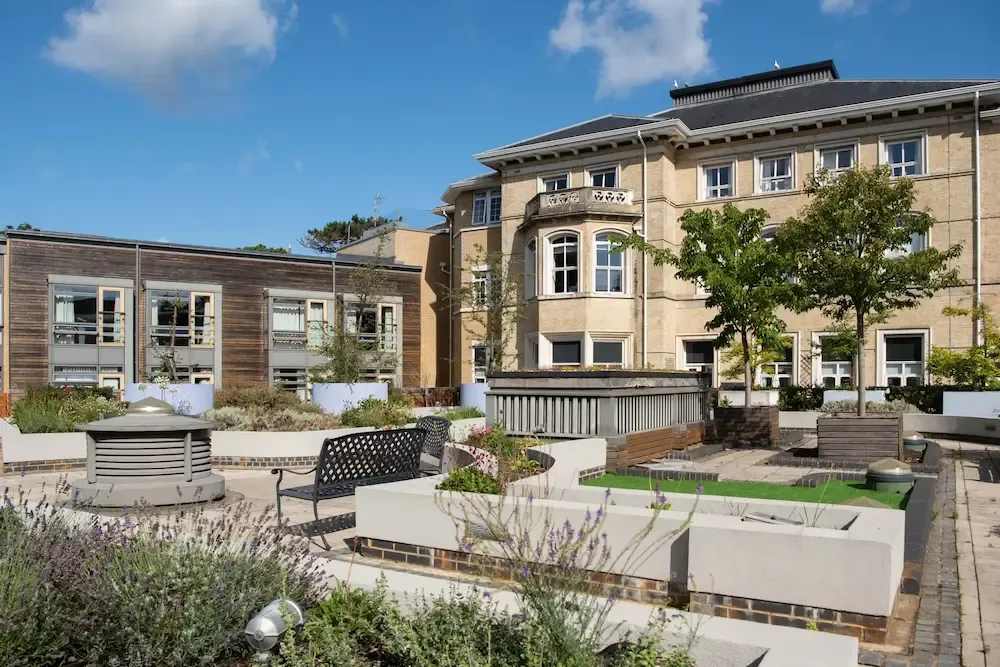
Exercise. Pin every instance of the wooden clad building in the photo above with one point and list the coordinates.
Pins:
(89, 310)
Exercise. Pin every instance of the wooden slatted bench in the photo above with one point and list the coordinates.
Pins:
(350, 461)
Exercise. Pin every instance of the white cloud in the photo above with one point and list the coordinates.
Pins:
(340, 23)
(836, 6)
(154, 44)
(639, 41)
(251, 158)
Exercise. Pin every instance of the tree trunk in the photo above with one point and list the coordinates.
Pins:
(747, 372)
(860, 363)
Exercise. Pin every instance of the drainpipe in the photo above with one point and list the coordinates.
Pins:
(978, 331)
(451, 288)
(645, 277)
(136, 305)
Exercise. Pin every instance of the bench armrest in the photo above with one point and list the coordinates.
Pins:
(280, 472)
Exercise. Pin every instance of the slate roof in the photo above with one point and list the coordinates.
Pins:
(797, 99)
(756, 106)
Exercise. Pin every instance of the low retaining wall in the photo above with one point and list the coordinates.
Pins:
(739, 427)
(645, 446)
(53, 452)
(861, 548)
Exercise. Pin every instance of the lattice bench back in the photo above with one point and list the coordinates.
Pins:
(437, 428)
(368, 455)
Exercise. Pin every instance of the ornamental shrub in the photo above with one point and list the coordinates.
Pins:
(261, 419)
(377, 413)
(872, 406)
(48, 409)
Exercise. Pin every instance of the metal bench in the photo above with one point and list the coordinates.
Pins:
(350, 461)
(438, 429)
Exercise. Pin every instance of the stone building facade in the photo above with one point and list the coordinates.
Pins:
(555, 202)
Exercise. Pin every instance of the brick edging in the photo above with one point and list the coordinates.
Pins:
(787, 460)
(638, 471)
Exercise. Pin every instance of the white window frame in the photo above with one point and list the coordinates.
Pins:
(532, 343)
(542, 178)
(603, 169)
(680, 362)
(792, 373)
(700, 291)
(550, 264)
(703, 186)
(624, 267)
(817, 362)
(487, 197)
(759, 160)
(531, 268)
(598, 338)
(819, 149)
(480, 277)
(479, 372)
(920, 137)
(896, 254)
(577, 338)
(210, 377)
(880, 351)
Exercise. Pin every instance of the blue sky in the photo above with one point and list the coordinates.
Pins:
(233, 122)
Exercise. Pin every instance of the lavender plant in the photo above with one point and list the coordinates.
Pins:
(140, 589)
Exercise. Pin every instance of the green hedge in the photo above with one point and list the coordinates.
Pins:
(927, 398)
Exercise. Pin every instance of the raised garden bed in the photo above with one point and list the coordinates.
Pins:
(927, 463)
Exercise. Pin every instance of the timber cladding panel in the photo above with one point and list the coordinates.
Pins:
(852, 437)
(28, 327)
(645, 446)
(244, 302)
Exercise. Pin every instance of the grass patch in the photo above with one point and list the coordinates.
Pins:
(833, 492)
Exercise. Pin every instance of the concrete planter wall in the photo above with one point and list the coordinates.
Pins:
(473, 395)
(846, 436)
(186, 399)
(20, 448)
(971, 404)
(757, 397)
(584, 404)
(871, 395)
(334, 398)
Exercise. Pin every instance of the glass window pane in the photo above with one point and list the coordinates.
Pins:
(699, 352)
(602, 254)
(904, 348)
(830, 160)
(602, 280)
(845, 158)
(479, 209)
(571, 255)
(566, 352)
(495, 202)
(617, 283)
(615, 259)
(608, 352)
(895, 153)
(724, 175)
(560, 282)
(571, 284)
(910, 151)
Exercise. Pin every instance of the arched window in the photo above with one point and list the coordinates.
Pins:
(565, 252)
(530, 269)
(609, 265)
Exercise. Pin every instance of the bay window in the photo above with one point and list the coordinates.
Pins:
(608, 353)
(566, 353)
(530, 269)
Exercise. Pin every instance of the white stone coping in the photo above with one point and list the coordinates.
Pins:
(18, 447)
(843, 559)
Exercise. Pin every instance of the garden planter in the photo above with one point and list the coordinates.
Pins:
(739, 427)
(737, 398)
(473, 395)
(971, 404)
(871, 395)
(848, 436)
(186, 399)
(335, 397)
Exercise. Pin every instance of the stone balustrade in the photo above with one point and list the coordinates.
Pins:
(615, 201)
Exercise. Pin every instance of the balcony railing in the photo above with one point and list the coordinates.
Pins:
(382, 339)
(615, 201)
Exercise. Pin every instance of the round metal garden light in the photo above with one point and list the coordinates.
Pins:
(914, 443)
(890, 476)
(150, 455)
(264, 630)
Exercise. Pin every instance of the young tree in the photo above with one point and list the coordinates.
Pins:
(851, 253)
(732, 358)
(330, 237)
(979, 365)
(744, 276)
(493, 300)
(353, 343)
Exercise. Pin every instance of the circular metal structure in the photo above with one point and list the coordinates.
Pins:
(914, 443)
(890, 475)
(149, 456)
(264, 630)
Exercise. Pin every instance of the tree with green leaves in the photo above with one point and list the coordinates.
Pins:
(260, 247)
(329, 238)
(852, 253)
(493, 301)
(744, 276)
(24, 226)
(977, 366)
(760, 358)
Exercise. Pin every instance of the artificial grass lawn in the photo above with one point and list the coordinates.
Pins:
(832, 492)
